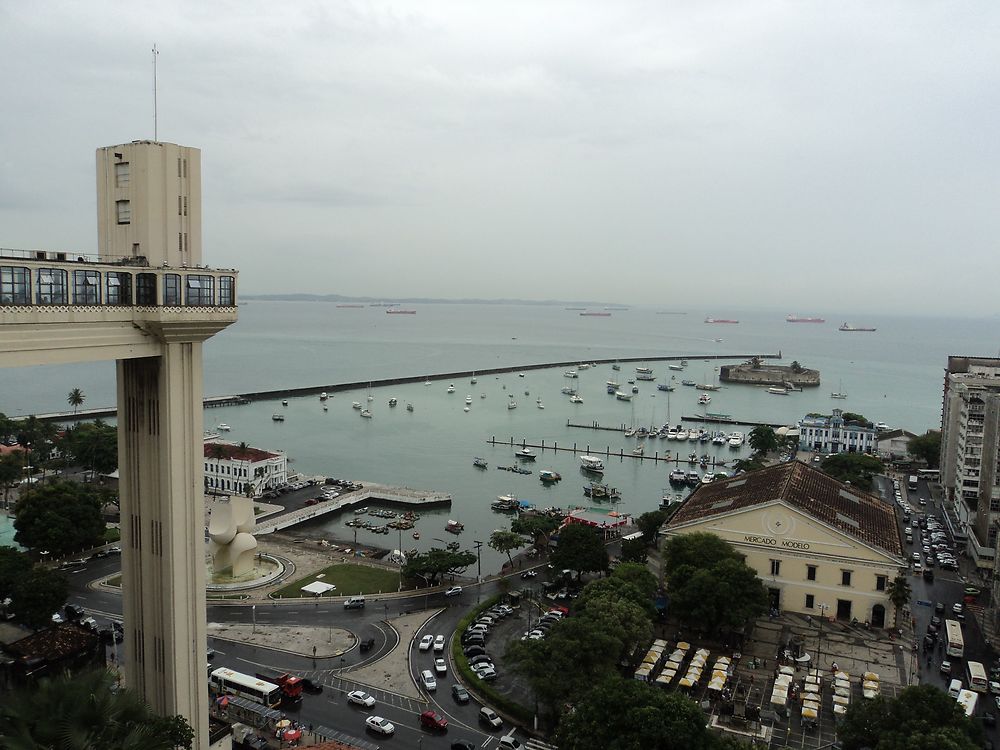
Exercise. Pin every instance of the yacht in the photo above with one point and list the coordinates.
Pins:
(525, 453)
(719, 438)
(323, 396)
(366, 413)
(592, 463)
(736, 440)
(570, 374)
(393, 401)
(677, 476)
(778, 390)
(675, 367)
(223, 427)
(468, 399)
(427, 382)
(575, 399)
(355, 404)
(451, 388)
(693, 478)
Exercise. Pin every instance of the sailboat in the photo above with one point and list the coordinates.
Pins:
(371, 396)
(473, 381)
(839, 393)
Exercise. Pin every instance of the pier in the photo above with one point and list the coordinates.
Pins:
(708, 419)
(621, 453)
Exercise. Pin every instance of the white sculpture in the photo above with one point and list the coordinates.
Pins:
(231, 543)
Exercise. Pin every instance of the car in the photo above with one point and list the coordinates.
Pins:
(939, 607)
(380, 725)
(945, 667)
(57, 619)
(431, 720)
(311, 686)
(311, 501)
(529, 574)
(486, 672)
(462, 745)
(930, 640)
(486, 620)
(367, 644)
(932, 628)
(430, 683)
(440, 666)
(506, 609)
(475, 661)
(481, 628)
(915, 557)
(958, 608)
(73, 611)
(460, 694)
(360, 698)
(471, 651)
(936, 621)
(454, 591)
(426, 642)
(509, 743)
(490, 717)
(89, 623)
(474, 640)
(438, 644)
(929, 575)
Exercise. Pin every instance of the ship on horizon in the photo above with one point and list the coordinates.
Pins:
(398, 311)
(720, 320)
(847, 327)
(350, 306)
(596, 314)
(800, 319)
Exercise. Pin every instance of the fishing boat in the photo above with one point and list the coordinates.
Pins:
(547, 475)
(601, 491)
(526, 453)
(278, 417)
(454, 527)
(366, 413)
(778, 390)
(592, 463)
(409, 407)
(223, 427)
(393, 402)
(479, 463)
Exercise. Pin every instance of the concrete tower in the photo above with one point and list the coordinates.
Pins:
(149, 303)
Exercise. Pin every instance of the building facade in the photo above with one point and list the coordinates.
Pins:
(822, 548)
(236, 470)
(894, 445)
(834, 434)
(970, 451)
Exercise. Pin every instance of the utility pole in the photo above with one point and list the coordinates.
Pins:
(479, 570)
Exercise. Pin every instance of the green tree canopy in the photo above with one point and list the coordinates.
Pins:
(699, 550)
(94, 445)
(637, 575)
(581, 549)
(850, 416)
(538, 528)
(856, 468)
(11, 472)
(634, 551)
(75, 399)
(506, 542)
(61, 517)
(83, 710)
(38, 595)
(649, 524)
(617, 714)
(927, 447)
(747, 464)
(14, 566)
(899, 592)
(922, 716)
(763, 440)
(432, 565)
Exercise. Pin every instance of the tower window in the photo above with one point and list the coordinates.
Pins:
(124, 209)
(121, 174)
(172, 289)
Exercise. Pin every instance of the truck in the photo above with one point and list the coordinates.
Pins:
(291, 686)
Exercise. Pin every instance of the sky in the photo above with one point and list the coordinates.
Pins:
(723, 154)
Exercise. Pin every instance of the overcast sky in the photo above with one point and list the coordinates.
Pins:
(715, 154)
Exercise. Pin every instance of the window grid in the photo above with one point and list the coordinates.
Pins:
(86, 288)
(15, 286)
(52, 287)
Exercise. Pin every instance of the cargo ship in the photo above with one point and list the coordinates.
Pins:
(596, 314)
(397, 311)
(846, 327)
(720, 320)
(350, 306)
(800, 319)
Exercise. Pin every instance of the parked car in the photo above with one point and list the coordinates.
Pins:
(509, 743)
(475, 661)
(486, 672)
(490, 717)
(471, 651)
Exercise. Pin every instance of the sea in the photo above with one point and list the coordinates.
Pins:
(892, 375)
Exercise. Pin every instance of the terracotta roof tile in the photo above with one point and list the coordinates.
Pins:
(856, 513)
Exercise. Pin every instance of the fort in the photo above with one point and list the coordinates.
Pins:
(755, 372)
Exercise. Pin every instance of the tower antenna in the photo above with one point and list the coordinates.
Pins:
(155, 129)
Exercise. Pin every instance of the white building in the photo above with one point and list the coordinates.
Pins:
(232, 469)
(835, 435)
(895, 444)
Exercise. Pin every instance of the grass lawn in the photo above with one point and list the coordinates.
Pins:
(349, 579)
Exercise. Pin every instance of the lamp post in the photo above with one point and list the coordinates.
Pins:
(253, 615)
(819, 645)
(399, 559)
(479, 570)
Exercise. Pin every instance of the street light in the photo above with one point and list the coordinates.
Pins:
(253, 614)
(819, 646)
(479, 570)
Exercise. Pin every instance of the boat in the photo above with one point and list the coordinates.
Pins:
(704, 398)
(664, 387)
(546, 475)
(846, 327)
(839, 393)
(693, 478)
(351, 306)
(323, 396)
(355, 404)
(568, 391)
(684, 363)
(708, 387)
(570, 374)
(882, 427)
(639, 449)
(278, 417)
(645, 376)
(595, 314)
(707, 478)
(736, 440)
(675, 367)
(468, 399)
(514, 469)
(466, 408)
(692, 458)
(689, 383)
(454, 527)
(677, 476)
(482, 395)
(575, 399)
(643, 371)
(592, 463)
(720, 320)
(520, 374)
(473, 381)
(512, 404)
(583, 366)
(778, 390)
(409, 407)
(366, 413)
(539, 404)
(326, 408)
(623, 396)
(801, 319)
(370, 396)
(719, 438)
(479, 463)
(525, 453)
(616, 367)
(223, 427)
(451, 388)
(397, 311)
(427, 382)
(612, 384)
(284, 402)
(393, 402)
(416, 534)
(601, 491)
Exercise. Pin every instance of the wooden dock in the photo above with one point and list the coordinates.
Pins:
(730, 420)
(588, 449)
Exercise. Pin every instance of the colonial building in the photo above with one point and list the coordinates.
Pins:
(821, 547)
(894, 445)
(241, 470)
(835, 435)
(970, 441)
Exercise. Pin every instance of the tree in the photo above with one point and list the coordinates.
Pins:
(581, 549)
(763, 440)
(11, 470)
(14, 566)
(634, 551)
(649, 524)
(505, 542)
(796, 367)
(850, 416)
(75, 399)
(744, 465)
(856, 468)
(638, 576)
(84, 710)
(631, 715)
(437, 562)
(899, 593)
(37, 595)
(926, 447)
(922, 716)
(538, 528)
(94, 445)
(61, 517)
(698, 550)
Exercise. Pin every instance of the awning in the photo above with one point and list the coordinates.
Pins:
(318, 588)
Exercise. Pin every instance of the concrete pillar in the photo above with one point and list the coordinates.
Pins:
(160, 455)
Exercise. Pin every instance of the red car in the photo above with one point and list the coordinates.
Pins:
(431, 720)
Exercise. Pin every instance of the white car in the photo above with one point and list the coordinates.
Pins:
(380, 725)
(438, 644)
(360, 698)
(427, 677)
(488, 716)
(426, 642)
(453, 591)
(509, 743)
(440, 666)
(485, 672)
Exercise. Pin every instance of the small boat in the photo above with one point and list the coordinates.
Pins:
(643, 371)
(427, 382)
(838, 394)
(575, 399)
(635, 389)
(468, 399)
(366, 413)
(451, 388)
(409, 407)
(616, 367)
(465, 408)
(355, 404)
(416, 534)
(692, 458)
(664, 387)
(482, 395)
(639, 449)
(708, 387)
(525, 453)
(454, 527)
(645, 376)
(223, 427)
(592, 463)
(612, 388)
(323, 396)
(278, 417)
(549, 476)
(479, 463)
(284, 402)
(326, 408)
(623, 396)
(583, 366)
(675, 367)
(689, 383)
(704, 398)
(777, 390)
(677, 476)
(736, 440)
(527, 393)
(393, 402)
(473, 381)
(570, 374)
(520, 374)
(512, 404)
(693, 478)
(539, 404)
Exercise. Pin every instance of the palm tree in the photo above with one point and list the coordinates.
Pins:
(899, 594)
(75, 399)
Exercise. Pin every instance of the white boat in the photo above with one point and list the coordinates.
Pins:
(570, 374)
(575, 399)
(525, 453)
(539, 404)
(839, 393)
(671, 433)
(623, 396)
(482, 395)
(583, 366)
(643, 371)
(409, 407)
(592, 463)
(719, 438)
(451, 388)
(284, 402)
(465, 408)
(512, 404)
(468, 399)
(393, 401)
(675, 367)
(704, 398)
(778, 390)
(736, 440)
(223, 427)
(278, 417)
(355, 404)
(366, 413)
(638, 450)
(473, 381)
(323, 396)
(427, 382)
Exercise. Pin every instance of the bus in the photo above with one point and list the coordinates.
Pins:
(954, 640)
(911, 483)
(230, 682)
(976, 674)
(967, 700)
(931, 475)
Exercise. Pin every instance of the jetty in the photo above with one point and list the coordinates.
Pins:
(620, 453)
